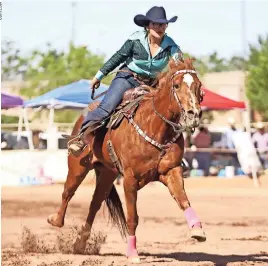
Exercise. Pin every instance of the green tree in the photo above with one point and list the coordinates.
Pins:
(237, 63)
(199, 64)
(51, 69)
(13, 63)
(7, 119)
(257, 79)
(216, 63)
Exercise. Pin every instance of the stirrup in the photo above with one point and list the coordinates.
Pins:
(78, 153)
(72, 138)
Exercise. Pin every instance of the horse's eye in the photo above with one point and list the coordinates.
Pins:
(176, 86)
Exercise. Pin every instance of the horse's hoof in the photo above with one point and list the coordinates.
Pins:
(198, 234)
(79, 246)
(134, 259)
(132, 255)
(53, 220)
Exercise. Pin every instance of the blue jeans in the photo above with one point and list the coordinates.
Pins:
(204, 161)
(264, 159)
(120, 84)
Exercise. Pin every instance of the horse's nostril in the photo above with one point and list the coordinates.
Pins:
(190, 112)
(194, 114)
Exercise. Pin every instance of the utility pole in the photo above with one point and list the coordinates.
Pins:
(247, 117)
(243, 24)
(73, 3)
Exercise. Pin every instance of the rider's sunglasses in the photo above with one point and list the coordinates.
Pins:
(159, 25)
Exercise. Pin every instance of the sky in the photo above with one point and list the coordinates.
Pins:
(202, 26)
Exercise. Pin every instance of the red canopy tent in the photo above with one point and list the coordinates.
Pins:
(213, 100)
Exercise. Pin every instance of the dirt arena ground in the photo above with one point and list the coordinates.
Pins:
(233, 212)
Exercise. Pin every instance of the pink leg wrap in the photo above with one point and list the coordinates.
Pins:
(131, 247)
(191, 218)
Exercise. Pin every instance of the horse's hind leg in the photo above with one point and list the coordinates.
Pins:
(175, 183)
(104, 184)
(78, 168)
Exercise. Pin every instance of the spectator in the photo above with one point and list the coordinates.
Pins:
(227, 138)
(203, 140)
(37, 141)
(260, 140)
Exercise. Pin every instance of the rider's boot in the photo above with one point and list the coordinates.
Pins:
(78, 146)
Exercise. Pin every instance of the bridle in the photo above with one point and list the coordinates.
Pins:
(176, 127)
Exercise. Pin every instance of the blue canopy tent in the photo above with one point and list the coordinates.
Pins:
(74, 95)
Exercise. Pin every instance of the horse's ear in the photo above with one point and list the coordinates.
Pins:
(193, 59)
(172, 63)
(189, 60)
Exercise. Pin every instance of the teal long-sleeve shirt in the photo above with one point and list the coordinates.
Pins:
(135, 53)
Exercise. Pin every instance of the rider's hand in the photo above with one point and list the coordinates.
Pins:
(95, 83)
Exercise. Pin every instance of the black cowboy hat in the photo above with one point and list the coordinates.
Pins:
(156, 14)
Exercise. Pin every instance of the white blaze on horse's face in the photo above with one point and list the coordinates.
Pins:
(186, 96)
(188, 79)
(193, 110)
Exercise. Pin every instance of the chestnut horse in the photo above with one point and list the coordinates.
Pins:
(149, 147)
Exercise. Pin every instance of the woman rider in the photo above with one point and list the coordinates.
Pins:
(144, 54)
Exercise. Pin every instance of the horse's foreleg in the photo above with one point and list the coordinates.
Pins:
(78, 168)
(131, 189)
(104, 183)
(175, 183)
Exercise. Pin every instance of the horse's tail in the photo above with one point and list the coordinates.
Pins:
(116, 211)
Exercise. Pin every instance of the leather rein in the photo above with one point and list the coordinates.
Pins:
(177, 128)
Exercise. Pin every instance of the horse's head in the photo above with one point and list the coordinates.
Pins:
(185, 92)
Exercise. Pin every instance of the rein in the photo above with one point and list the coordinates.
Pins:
(177, 128)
